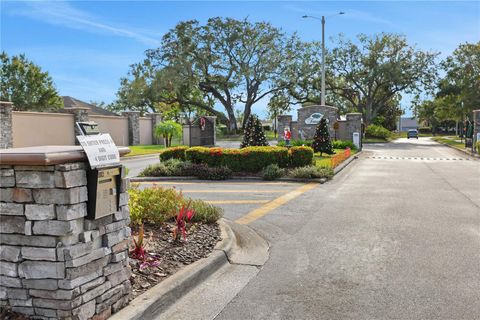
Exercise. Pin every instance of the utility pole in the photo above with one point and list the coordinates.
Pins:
(323, 54)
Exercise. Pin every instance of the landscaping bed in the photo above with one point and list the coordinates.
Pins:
(269, 163)
(169, 231)
(165, 255)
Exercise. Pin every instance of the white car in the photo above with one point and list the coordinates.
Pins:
(314, 118)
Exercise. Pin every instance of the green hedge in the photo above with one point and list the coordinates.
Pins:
(344, 144)
(374, 131)
(173, 153)
(250, 159)
(300, 156)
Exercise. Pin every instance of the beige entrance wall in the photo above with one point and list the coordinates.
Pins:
(145, 130)
(42, 128)
(116, 126)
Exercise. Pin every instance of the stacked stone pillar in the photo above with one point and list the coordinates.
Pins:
(476, 126)
(213, 121)
(6, 136)
(79, 115)
(156, 119)
(283, 122)
(55, 263)
(133, 127)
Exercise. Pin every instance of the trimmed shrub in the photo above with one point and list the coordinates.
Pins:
(311, 172)
(374, 131)
(153, 205)
(205, 212)
(213, 173)
(425, 130)
(209, 156)
(155, 170)
(250, 159)
(173, 153)
(171, 167)
(344, 144)
(296, 143)
(272, 172)
(300, 156)
(157, 205)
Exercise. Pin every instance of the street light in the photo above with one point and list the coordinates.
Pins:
(323, 51)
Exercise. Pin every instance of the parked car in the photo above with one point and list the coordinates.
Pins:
(412, 133)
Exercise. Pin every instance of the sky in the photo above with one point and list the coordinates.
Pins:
(87, 46)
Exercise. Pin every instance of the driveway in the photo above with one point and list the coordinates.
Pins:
(396, 235)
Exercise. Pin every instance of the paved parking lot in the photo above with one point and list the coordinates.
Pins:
(242, 201)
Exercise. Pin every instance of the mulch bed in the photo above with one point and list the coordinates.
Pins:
(165, 256)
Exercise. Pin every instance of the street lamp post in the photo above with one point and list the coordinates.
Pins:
(323, 54)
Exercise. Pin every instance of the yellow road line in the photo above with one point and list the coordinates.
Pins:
(233, 191)
(266, 208)
(236, 201)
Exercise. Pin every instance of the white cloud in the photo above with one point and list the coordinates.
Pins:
(64, 14)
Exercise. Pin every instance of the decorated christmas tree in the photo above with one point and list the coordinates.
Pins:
(321, 140)
(253, 134)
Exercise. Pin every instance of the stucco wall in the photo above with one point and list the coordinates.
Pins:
(41, 128)
(117, 127)
(145, 130)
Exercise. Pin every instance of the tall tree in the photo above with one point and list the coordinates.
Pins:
(233, 61)
(375, 70)
(26, 85)
(461, 84)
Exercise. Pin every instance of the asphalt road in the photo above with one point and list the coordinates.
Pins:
(135, 165)
(396, 235)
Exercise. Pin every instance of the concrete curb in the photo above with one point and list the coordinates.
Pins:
(150, 155)
(471, 154)
(235, 179)
(346, 162)
(149, 304)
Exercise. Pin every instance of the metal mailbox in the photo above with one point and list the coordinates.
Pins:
(103, 191)
(105, 174)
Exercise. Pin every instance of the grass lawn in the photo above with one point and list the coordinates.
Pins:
(144, 149)
(451, 141)
(325, 159)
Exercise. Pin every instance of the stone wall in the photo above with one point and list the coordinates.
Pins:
(133, 127)
(6, 137)
(306, 130)
(301, 129)
(54, 262)
(8, 134)
(476, 125)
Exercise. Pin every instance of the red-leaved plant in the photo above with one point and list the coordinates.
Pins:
(139, 249)
(184, 214)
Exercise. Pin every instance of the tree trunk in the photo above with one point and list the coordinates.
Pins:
(246, 113)
(232, 121)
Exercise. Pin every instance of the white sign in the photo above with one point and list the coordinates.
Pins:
(100, 149)
(356, 139)
(314, 118)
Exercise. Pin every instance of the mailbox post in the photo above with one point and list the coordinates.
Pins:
(104, 176)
